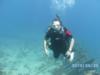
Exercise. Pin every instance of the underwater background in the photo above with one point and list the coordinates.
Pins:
(23, 24)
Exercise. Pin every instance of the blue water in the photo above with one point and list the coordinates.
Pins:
(23, 23)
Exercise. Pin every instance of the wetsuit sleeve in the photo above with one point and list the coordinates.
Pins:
(47, 36)
(68, 34)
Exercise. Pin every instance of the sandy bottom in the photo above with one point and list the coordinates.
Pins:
(18, 57)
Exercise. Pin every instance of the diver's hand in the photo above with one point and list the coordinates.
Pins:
(70, 55)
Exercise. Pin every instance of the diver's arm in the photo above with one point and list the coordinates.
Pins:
(47, 36)
(45, 47)
(71, 44)
(69, 51)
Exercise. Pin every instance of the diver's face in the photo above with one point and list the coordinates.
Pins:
(56, 25)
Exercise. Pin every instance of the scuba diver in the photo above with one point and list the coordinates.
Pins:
(59, 40)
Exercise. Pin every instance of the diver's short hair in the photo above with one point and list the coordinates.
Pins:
(57, 19)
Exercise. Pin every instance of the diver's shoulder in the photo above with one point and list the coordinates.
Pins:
(50, 28)
(65, 28)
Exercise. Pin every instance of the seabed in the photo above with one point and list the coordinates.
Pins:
(18, 57)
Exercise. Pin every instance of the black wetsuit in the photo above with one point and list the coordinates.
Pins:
(59, 41)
